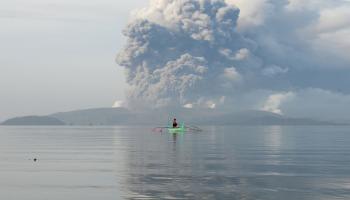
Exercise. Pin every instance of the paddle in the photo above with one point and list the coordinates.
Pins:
(194, 128)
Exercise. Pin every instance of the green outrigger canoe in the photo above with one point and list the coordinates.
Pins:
(180, 129)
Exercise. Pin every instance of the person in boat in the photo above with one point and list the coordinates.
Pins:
(174, 123)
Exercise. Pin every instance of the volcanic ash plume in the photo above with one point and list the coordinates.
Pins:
(269, 55)
(184, 52)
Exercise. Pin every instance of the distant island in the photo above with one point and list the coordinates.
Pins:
(34, 121)
(123, 116)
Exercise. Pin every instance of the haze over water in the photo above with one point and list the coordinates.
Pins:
(88, 163)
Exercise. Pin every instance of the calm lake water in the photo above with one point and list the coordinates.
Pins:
(109, 163)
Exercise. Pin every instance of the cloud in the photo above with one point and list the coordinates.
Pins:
(231, 74)
(201, 20)
(318, 104)
(313, 103)
(189, 105)
(242, 54)
(211, 104)
(205, 103)
(174, 53)
(274, 70)
(330, 32)
(118, 104)
(274, 102)
(258, 54)
(253, 12)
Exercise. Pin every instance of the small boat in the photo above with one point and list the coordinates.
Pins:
(180, 129)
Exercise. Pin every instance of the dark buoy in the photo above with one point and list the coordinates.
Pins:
(35, 159)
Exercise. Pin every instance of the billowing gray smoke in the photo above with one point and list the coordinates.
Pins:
(184, 53)
(272, 55)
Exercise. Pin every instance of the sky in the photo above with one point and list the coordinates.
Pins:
(59, 55)
(289, 57)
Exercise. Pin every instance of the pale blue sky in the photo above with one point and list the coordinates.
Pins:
(59, 55)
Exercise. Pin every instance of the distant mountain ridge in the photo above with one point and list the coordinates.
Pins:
(33, 121)
(95, 116)
(123, 116)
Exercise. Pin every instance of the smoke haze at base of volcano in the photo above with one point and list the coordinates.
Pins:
(229, 55)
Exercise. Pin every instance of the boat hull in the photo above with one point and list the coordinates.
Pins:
(176, 130)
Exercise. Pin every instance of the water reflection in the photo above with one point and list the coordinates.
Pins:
(133, 163)
(228, 163)
(272, 137)
(197, 168)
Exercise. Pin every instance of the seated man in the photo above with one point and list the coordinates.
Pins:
(174, 123)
